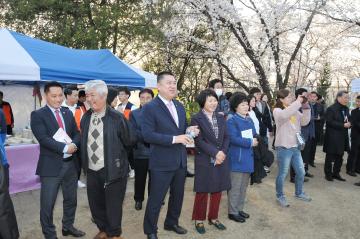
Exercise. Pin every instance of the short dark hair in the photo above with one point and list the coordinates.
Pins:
(82, 93)
(228, 95)
(69, 90)
(1, 93)
(341, 93)
(314, 92)
(358, 97)
(50, 84)
(254, 90)
(161, 75)
(300, 91)
(213, 82)
(201, 98)
(236, 99)
(124, 89)
(112, 94)
(149, 91)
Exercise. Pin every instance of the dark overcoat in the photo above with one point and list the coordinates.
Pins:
(210, 178)
(336, 139)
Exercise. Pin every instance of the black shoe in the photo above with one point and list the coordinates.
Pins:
(357, 184)
(329, 178)
(72, 232)
(338, 177)
(357, 171)
(175, 228)
(138, 206)
(309, 175)
(152, 236)
(244, 214)
(312, 165)
(189, 175)
(236, 218)
(351, 173)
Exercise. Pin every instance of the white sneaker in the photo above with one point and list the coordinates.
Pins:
(132, 173)
(81, 184)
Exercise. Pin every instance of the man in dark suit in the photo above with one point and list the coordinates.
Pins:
(56, 166)
(353, 162)
(164, 127)
(336, 140)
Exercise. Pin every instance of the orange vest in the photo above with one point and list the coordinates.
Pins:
(7, 112)
(127, 110)
(127, 113)
(79, 112)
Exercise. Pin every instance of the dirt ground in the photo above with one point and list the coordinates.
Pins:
(333, 213)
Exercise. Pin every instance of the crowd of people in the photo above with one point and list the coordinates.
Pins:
(112, 141)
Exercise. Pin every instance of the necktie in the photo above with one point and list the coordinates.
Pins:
(171, 110)
(58, 119)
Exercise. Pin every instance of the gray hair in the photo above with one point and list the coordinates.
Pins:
(98, 85)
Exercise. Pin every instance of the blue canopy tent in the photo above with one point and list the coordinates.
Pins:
(25, 60)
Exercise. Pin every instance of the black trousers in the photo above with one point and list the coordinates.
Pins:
(106, 202)
(353, 161)
(8, 224)
(67, 179)
(311, 151)
(329, 169)
(141, 172)
(131, 160)
(160, 183)
(7, 176)
(9, 129)
(319, 132)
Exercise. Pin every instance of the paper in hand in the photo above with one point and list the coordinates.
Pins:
(61, 136)
(247, 134)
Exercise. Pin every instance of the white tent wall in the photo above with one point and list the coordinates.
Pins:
(22, 103)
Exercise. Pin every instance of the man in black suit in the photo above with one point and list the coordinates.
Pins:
(336, 140)
(353, 162)
(56, 166)
(164, 127)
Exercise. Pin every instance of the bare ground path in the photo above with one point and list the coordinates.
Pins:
(333, 213)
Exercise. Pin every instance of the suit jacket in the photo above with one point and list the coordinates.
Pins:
(158, 129)
(210, 178)
(141, 149)
(336, 139)
(44, 126)
(355, 125)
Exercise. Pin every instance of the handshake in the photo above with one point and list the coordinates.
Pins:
(188, 138)
(72, 148)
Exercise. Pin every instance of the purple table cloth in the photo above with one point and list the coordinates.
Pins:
(23, 161)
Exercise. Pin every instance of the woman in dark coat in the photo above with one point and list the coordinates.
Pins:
(212, 171)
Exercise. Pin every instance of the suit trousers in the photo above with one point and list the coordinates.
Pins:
(201, 203)
(106, 202)
(237, 193)
(160, 183)
(353, 161)
(67, 179)
(329, 169)
(141, 167)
